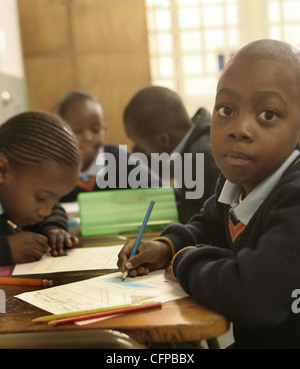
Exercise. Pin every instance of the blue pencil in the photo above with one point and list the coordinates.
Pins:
(140, 235)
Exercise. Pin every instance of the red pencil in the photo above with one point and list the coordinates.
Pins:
(128, 309)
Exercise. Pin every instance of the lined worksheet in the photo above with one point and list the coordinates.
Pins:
(105, 291)
(86, 258)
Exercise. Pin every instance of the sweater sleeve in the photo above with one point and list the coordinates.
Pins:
(253, 286)
(206, 227)
(5, 254)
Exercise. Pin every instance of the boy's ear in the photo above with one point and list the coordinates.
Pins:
(164, 140)
(4, 168)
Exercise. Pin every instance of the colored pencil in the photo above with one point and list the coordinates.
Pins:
(26, 281)
(139, 237)
(47, 318)
(123, 310)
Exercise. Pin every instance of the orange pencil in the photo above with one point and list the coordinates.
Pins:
(26, 281)
(123, 310)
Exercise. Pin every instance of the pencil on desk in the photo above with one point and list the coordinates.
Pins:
(139, 237)
(47, 318)
(26, 281)
(102, 314)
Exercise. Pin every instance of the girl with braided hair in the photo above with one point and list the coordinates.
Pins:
(39, 163)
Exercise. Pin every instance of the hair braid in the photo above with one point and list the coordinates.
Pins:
(31, 137)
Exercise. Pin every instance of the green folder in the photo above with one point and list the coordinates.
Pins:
(122, 211)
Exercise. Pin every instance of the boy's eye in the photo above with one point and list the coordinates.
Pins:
(40, 198)
(224, 111)
(96, 130)
(268, 115)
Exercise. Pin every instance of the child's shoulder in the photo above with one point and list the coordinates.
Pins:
(288, 186)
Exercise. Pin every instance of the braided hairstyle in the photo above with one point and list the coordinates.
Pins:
(31, 137)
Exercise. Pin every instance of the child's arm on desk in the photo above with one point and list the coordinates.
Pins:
(55, 228)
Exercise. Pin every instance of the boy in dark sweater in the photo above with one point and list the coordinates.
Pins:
(157, 121)
(240, 255)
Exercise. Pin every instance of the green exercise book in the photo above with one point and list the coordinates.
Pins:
(123, 211)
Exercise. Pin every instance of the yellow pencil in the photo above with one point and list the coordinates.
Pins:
(14, 226)
(47, 318)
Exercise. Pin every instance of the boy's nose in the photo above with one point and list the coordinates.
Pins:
(87, 135)
(241, 130)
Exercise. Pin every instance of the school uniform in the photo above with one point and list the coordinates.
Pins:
(246, 262)
(57, 219)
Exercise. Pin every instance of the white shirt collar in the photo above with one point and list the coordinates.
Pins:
(245, 210)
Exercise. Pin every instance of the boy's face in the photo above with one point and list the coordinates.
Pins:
(86, 119)
(256, 120)
(28, 194)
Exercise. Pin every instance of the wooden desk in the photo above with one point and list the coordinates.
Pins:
(177, 321)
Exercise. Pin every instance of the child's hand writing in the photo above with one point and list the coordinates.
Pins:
(58, 239)
(27, 246)
(151, 255)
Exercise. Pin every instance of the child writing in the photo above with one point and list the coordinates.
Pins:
(240, 255)
(85, 115)
(39, 163)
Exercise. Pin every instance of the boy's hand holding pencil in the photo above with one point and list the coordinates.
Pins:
(26, 247)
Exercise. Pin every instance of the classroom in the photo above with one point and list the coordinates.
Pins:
(134, 96)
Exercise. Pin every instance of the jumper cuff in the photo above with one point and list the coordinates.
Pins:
(170, 243)
(175, 256)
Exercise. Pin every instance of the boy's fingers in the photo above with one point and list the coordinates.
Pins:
(136, 261)
(41, 240)
(56, 241)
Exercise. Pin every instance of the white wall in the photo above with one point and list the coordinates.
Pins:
(12, 80)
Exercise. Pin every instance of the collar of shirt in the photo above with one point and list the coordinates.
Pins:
(93, 168)
(244, 210)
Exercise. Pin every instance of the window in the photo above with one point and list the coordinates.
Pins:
(191, 40)
(284, 19)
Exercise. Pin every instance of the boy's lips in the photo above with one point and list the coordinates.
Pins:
(33, 221)
(237, 158)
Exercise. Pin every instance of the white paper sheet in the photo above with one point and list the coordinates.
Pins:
(104, 291)
(86, 258)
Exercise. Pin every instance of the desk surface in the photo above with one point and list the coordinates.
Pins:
(179, 320)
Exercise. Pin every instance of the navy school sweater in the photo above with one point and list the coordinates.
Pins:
(250, 280)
